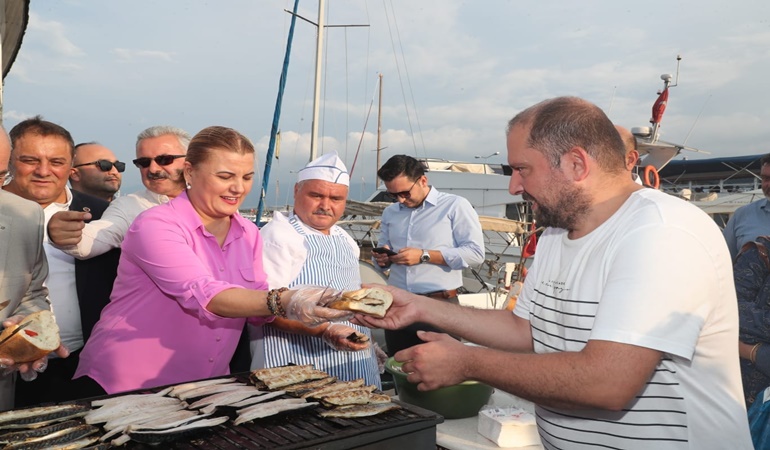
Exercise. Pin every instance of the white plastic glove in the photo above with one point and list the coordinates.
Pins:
(344, 338)
(307, 305)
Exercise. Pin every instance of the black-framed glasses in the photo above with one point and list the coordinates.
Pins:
(161, 160)
(406, 195)
(104, 165)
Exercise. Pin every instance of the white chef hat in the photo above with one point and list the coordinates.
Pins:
(328, 167)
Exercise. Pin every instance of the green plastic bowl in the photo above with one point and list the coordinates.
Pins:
(453, 402)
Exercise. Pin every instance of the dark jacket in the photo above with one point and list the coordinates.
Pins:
(93, 277)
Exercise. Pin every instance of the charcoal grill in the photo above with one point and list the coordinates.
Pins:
(409, 427)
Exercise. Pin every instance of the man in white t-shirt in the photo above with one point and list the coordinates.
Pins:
(624, 334)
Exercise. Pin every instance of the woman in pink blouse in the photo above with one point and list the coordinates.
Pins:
(190, 275)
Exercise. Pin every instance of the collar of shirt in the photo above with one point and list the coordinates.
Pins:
(765, 203)
(56, 207)
(431, 199)
(182, 206)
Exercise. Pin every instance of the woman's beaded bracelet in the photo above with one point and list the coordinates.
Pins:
(274, 302)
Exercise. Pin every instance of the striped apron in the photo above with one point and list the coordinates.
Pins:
(330, 262)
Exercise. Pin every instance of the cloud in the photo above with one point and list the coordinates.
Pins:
(15, 116)
(126, 55)
(52, 34)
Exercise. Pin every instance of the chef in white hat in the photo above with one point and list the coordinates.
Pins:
(308, 248)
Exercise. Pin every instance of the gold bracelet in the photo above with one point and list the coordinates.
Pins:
(753, 353)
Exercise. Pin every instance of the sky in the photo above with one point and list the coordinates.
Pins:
(454, 72)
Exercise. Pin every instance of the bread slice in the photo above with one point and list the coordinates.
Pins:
(371, 301)
(36, 340)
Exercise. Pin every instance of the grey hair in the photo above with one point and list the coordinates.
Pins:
(163, 130)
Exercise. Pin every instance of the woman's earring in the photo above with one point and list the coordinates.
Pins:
(188, 186)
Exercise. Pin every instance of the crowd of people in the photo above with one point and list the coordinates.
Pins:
(630, 331)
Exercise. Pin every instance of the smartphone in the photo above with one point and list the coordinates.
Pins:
(387, 251)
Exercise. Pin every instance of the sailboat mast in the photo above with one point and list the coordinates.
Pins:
(379, 131)
(317, 91)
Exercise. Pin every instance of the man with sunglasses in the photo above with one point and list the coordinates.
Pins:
(96, 171)
(42, 153)
(160, 152)
(434, 234)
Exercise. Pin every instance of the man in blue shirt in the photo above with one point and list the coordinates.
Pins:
(752, 220)
(434, 234)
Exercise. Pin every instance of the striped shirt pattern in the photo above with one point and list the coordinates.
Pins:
(656, 417)
(330, 262)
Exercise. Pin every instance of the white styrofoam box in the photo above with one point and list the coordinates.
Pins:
(508, 427)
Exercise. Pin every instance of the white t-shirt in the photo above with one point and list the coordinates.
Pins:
(101, 236)
(656, 274)
(61, 285)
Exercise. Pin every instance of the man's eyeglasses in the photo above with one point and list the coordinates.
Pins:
(105, 166)
(406, 195)
(161, 160)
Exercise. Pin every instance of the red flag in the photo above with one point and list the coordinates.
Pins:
(531, 244)
(659, 107)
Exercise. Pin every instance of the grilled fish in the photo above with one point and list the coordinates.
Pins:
(116, 410)
(225, 398)
(300, 388)
(18, 436)
(350, 412)
(254, 400)
(57, 438)
(160, 436)
(179, 388)
(335, 387)
(293, 378)
(271, 409)
(273, 372)
(347, 397)
(40, 416)
(205, 391)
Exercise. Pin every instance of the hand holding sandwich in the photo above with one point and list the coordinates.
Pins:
(28, 370)
(405, 309)
(308, 305)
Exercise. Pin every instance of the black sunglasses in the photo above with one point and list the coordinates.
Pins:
(104, 165)
(161, 160)
(406, 195)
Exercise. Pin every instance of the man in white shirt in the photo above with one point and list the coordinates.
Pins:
(160, 152)
(624, 335)
(308, 248)
(41, 162)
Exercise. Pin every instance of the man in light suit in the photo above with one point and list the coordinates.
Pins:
(24, 269)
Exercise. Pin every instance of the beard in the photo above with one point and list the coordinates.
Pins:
(568, 205)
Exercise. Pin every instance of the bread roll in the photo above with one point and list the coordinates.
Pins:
(371, 301)
(36, 340)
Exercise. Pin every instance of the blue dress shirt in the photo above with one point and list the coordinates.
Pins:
(747, 223)
(444, 222)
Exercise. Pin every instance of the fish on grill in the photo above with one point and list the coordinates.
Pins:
(353, 411)
(54, 439)
(271, 408)
(254, 400)
(290, 378)
(179, 388)
(226, 398)
(273, 372)
(359, 396)
(18, 436)
(335, 387)
(205, 391)
(156, 436)
(123, 399)
(40, 416)
(142, 416)
(134, 406)
(181, 416)
(298, 389)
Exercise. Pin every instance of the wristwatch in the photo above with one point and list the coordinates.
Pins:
(425, 256)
